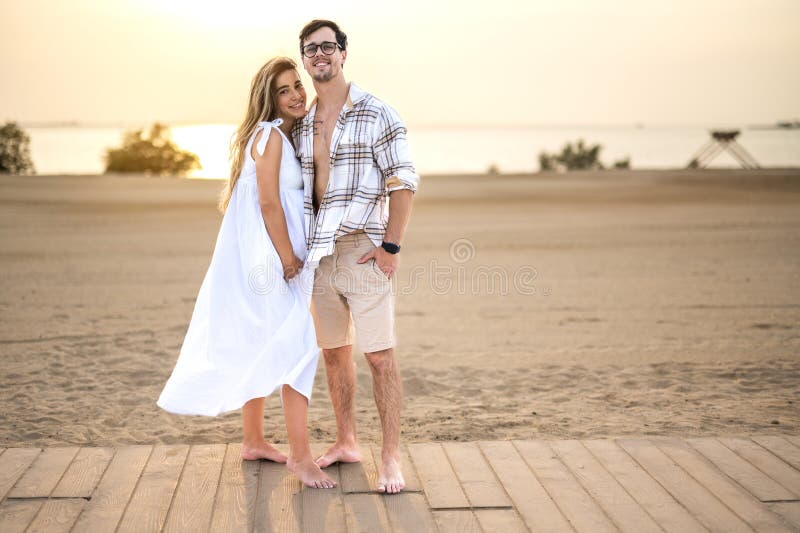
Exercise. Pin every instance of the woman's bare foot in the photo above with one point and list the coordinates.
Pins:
(391, 479)
(262, 450)
(340, 453)
(310, 474)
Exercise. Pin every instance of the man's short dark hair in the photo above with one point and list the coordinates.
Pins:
(314, 25)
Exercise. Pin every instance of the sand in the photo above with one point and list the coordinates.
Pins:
(541, 306)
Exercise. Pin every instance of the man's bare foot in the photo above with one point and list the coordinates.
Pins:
(391, 479)
(262, 450)
(340, 453)
(310, 474)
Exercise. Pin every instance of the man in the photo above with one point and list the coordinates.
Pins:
(354, 155)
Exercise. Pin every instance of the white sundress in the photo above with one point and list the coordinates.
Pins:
(250, 331)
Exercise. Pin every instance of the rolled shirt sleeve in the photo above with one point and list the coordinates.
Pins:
(392, 154)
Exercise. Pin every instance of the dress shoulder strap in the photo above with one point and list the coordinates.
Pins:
(267, 127)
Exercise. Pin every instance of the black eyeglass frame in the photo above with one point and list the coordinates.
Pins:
(313, 46)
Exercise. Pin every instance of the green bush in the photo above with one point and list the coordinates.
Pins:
(15, 150)
(154, 153)
(577, 157)
(623, 163)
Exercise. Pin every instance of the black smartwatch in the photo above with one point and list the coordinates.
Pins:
(390, 247)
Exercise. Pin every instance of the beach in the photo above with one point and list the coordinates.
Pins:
(579, 305)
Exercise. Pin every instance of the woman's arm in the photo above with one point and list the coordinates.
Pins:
(268, 166)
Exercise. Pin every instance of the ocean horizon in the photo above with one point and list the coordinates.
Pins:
(67, 148)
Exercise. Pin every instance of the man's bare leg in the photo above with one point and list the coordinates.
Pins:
(254, 447)
(301, 463)
(341, 374)
(388, 392)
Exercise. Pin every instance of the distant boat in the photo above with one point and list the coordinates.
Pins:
(780, 125)
(788, 125)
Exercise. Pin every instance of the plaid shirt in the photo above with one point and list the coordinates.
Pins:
(369, 158)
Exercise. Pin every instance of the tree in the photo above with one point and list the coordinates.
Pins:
(15, 150)
(577, 157)
(154, 153)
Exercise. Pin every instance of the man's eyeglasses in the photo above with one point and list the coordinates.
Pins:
(310, 50)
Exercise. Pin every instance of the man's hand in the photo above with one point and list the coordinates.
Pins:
(386, 262)
(291, 269)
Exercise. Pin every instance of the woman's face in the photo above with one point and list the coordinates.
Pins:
(290, 96)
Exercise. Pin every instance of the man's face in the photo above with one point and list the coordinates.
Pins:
(322, 67)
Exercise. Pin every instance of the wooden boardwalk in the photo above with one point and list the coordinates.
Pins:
(636, 485)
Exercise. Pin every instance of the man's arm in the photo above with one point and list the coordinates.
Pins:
(400, 202)
(394, 160)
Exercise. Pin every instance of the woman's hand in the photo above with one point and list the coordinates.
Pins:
(292, 267)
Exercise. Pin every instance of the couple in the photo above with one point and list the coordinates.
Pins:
(320, 224)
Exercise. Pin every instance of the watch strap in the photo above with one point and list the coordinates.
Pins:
(390, 247)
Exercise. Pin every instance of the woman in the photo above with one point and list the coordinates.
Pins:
(251, 330)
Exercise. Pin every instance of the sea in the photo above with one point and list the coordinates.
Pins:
(78, 149)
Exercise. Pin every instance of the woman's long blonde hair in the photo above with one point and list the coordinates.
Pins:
(261, 108)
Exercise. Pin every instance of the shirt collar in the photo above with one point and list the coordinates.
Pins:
(354, 95)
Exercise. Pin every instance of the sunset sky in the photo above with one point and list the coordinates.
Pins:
(578, 62)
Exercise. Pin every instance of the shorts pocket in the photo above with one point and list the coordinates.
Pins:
(378, 271)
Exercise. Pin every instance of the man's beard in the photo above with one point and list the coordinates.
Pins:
(323, 77)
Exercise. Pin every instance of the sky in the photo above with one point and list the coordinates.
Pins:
(440, 63)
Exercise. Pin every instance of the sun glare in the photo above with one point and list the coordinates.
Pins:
(210, 142)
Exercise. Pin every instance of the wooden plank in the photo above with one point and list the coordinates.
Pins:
(794, 439)
(112, 494)
(789, 511)
(457, 521)
(782, 448)
(58, 515)
(768, 463)
(235, 504)
(323, 509)
(696, 498)
(749, 509)
(439, 482)
(150, 502)
(280, 500)
(13, 464)
(410, 475)
(751, 478)
(365, 512)
(665, 510)
(359, 477)
(538, 510)
(475, 475)
(577, 505)
(603, 488)
(409, 512)
(83, 473)
(44, 474)
(194, 497)
(505, 520)
(16, 515)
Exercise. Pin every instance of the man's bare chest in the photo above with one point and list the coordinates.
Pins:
(323, 133)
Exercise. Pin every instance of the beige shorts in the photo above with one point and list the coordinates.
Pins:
(351, 298)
